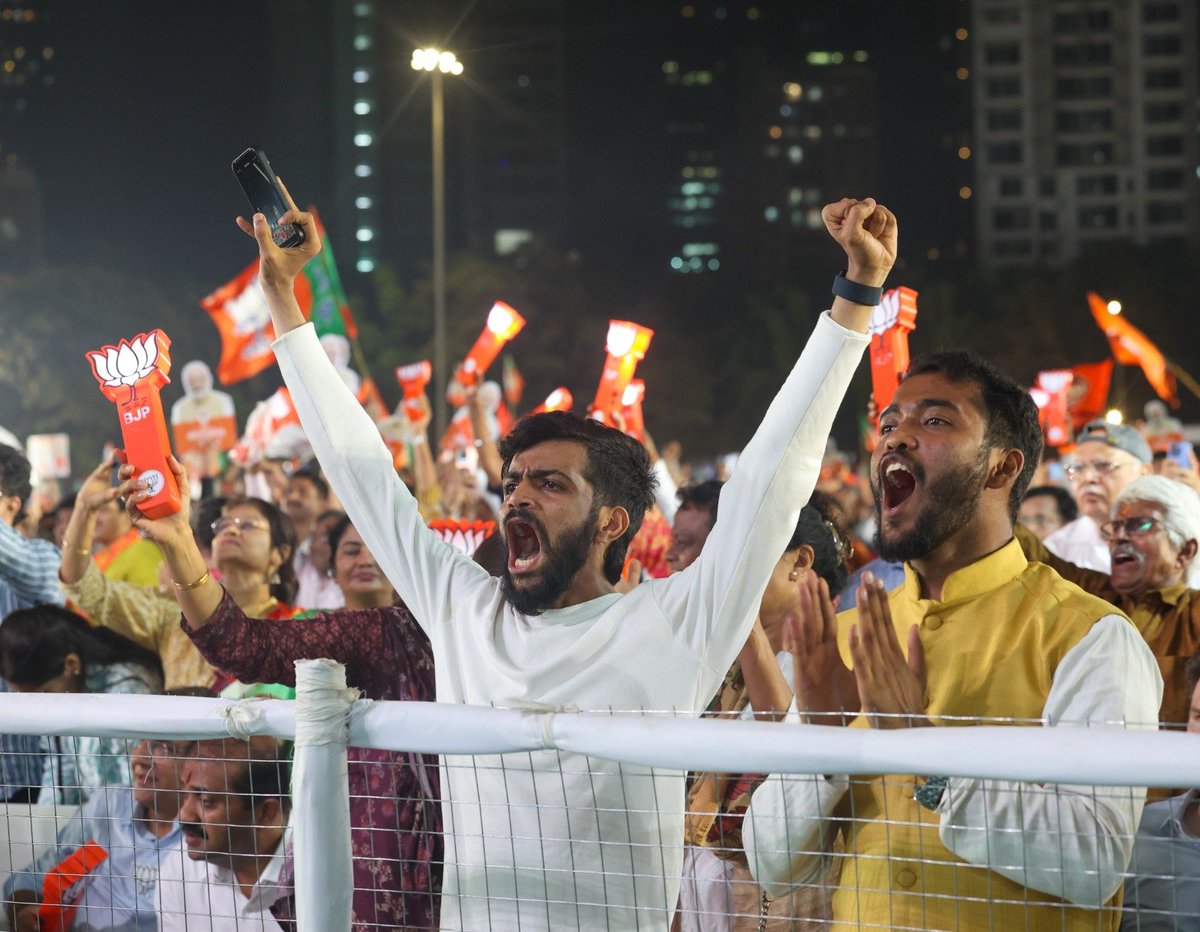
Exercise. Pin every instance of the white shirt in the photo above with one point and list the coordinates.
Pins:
(196, 896)
(1079, 542)
(1073, 843)
(554, 840)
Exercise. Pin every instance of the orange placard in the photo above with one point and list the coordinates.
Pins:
(891, 323)
(62, 886)
(132, 375)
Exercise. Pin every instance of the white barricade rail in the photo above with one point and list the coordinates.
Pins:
(1022, 806)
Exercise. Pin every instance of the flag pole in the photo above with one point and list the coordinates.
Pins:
(1190, 383)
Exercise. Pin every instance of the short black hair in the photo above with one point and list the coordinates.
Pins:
(313, 475)
(1063, 500)
(267, 774)
(618, 468)
(701, 496)
(203, 516)
(1010, 413)
(15, 474)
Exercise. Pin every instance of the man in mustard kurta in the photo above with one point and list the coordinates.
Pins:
(987, 635)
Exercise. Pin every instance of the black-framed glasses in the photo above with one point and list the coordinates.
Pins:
(1101, 467)
(242, 524)
(1129, 527)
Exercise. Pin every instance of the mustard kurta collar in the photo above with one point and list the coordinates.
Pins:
(982, 576)
(1171, 594)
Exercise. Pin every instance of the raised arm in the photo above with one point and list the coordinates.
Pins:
(713, 603)
(197, 593)
(354, 457)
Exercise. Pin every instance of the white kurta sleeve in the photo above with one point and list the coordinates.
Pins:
(359, 467)
(712, 604)
(1071, 841)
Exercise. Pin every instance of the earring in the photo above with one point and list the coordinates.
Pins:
(275, 580)
(796, 575)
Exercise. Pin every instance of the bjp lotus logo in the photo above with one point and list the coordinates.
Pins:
(144, 358)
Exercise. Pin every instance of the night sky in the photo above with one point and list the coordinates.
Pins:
(152, 100)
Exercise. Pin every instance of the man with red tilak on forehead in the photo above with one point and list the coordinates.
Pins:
(553, 840)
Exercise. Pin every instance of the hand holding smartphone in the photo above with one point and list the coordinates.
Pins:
(258, 180)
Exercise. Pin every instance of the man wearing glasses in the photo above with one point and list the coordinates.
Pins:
(132, 826)
(1107, 458)
(1152, 541)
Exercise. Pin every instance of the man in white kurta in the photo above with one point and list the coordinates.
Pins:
(553, 840)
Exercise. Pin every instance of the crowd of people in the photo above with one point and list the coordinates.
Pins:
(945, 579)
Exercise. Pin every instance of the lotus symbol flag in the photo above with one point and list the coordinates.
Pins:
(127, 362)
(131, 375)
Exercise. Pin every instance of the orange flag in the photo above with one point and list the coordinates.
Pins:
(1131, 347)
(1087, 397)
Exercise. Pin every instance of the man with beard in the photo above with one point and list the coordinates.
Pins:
(989, 636)
(554, 840)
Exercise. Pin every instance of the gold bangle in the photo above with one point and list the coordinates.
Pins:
(81, 551)
(183, 587)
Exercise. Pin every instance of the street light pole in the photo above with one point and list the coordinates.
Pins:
(438, 63)
(439, 260)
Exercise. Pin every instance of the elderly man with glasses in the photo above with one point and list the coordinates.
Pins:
(1152, 541)
(125, 831)
(1107, 458)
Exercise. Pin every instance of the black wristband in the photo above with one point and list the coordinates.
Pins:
(856, 293)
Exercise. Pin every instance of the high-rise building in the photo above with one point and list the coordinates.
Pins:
(1085, 126)
(505, 147)
(766, 118)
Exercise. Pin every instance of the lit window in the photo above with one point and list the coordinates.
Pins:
(962, 74)
(785, 111)
(964, 152)
(964, 192)
(670, 67)
(812, 132)
(814, 218)
(362, 9)
(714, 264)
(792, 90)
(815, 93)
(677, 263)
(795, 155)
(775, 132)
(362, 107)
(795, 196)
(363, 203)
(362, 171)
(361, 76)
(362, 139)
(861, 56)
(696, 264)
(366, 265)
(362, 43)
(365, 234)
(837, 58)
(960, 34)
(771, 214)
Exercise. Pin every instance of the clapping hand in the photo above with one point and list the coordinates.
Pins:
(825, 686)
(891, 689)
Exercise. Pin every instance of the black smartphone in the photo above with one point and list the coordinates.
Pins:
(254, 173)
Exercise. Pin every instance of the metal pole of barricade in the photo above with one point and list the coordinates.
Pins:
(324, 884)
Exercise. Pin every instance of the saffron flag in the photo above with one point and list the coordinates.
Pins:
(1087, 398)
(1131, 347)
(239, 310)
